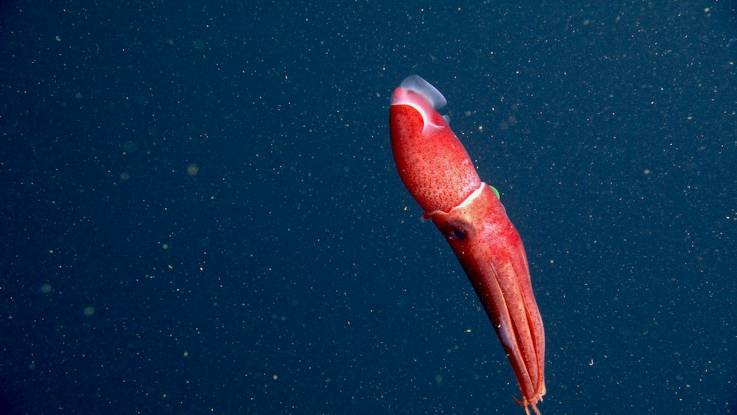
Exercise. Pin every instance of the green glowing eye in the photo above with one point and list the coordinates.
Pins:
(496, 192)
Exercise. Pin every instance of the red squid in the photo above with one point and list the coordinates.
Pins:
(437, 171)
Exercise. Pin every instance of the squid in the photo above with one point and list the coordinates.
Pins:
(439, 174)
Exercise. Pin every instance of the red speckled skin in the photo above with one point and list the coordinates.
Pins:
(439, 174)
(434, 166)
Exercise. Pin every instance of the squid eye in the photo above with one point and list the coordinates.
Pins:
(459, 230)
(457, 234)
(496, 192)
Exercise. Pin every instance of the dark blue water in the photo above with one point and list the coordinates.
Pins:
(201, 214)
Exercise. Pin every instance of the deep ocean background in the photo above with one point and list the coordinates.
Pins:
(201, 214)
